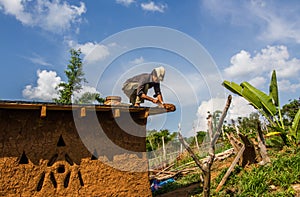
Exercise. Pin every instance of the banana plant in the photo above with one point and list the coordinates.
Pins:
(268, 105)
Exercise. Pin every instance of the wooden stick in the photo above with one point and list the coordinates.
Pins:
(230, 169)
(187, 147)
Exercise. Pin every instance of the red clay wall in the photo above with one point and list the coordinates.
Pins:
(44, 156)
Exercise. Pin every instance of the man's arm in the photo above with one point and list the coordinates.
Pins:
(158, 101)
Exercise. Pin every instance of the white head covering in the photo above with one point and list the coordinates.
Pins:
(160, 72)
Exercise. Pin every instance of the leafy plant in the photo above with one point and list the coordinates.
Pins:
(75, 75)
(154, 138)
(269, 106)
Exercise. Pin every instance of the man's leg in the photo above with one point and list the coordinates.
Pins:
(130, 90)
(138, 99)
(133, 98)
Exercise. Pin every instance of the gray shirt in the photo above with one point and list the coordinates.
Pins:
(142, 80)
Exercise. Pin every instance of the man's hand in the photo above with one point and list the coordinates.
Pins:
(159, 103)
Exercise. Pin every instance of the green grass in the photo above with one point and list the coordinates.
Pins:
(281, 174)
(272, 180)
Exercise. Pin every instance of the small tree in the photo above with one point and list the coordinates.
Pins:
(75, 75)
(213, 137)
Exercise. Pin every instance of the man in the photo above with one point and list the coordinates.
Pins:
(136, 88)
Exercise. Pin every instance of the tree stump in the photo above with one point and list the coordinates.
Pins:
(249, 155)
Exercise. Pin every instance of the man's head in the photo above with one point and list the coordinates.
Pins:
(158, 74)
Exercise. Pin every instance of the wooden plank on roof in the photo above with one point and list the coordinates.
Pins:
(43, 111)
(83, 112)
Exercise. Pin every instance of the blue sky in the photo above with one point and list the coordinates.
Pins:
(200, 42)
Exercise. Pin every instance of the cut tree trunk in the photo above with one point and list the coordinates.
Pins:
(249, 155)
(262, 147)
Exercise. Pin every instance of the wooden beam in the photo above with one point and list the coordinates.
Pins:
(117, 113)
(43, 111)
(83, 112)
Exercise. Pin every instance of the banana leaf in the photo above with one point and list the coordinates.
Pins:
(296, 124)
(252, 98)
(274, 89)
(273, 133)
(265, 99)
(233, 87)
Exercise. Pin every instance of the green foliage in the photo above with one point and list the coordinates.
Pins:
(154, 138)
(89, 97)
(200, 138)
(258, 99)
(75, 75)
(268, 105)
(290, 110)
(248, 125)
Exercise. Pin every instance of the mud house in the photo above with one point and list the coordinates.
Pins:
(61, 150)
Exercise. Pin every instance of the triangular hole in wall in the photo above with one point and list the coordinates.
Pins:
(61, 141)
(23, 159)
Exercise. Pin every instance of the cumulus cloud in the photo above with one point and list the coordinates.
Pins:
(257, 68)
(125, 2)
(55, 16)
(258, 81)
(151, 6)
(17, 9)
(287, 86)
(93, 52)
(239, 108)
(45, 90)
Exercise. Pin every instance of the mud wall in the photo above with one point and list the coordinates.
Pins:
(64, 154)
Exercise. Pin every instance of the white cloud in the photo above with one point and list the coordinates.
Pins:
(239, 108)
(17, 9)
(269, 58)
(58, 16)
(139, 60)
(257, 68)
(287, 86)
(54, 16)
(279, 25)
(93, 52)
(45, 90)
(151, 6)
(36, 59)
(258, 81)
(125, 2)
(276, 20)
